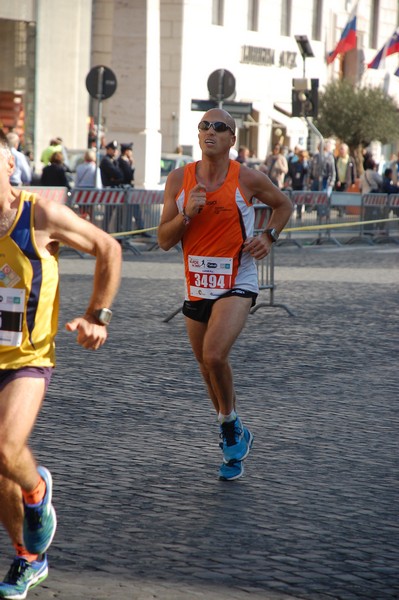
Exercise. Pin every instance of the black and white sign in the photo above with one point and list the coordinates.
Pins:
(101, 82)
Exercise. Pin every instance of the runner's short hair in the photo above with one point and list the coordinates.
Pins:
(4, 145)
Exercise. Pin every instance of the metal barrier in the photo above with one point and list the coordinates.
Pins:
(393, 206)
(105, 208)
(265, 267)
(127, 199)
(121, 211)
(373, 208)
(342, 201)
(309, 202)
(132, 214)
(58, 194)
(393, 203)
(144, 197)
(288, 239)
(349, 212)
(145, 208)
(90, 197)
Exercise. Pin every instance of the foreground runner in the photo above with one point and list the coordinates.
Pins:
(208, 207)
(30, 232)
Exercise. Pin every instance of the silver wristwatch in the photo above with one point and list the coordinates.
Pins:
(103, 315)
(273, 234)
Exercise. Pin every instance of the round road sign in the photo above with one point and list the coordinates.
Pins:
(101, 82)
(221, 84)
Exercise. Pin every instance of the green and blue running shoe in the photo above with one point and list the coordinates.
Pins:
(22, 576)
(236, 440)
(40, 521)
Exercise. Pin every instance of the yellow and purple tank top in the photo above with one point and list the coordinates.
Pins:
(212, 244)
(28, 295)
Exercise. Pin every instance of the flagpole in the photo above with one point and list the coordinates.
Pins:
(358, 75)
(348, 38)
(390, 47)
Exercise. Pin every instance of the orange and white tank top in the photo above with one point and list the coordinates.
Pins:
(28, 295)
(212, 243)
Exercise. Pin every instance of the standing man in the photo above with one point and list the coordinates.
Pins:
(111, 174)
(322, 169)
(298, 172)
(22, 173)
(126, 165)
(31, 230)
(243, 155)
(322, 174)
(208, 207)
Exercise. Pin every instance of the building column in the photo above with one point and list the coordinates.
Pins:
(131, 49)
(62, 64)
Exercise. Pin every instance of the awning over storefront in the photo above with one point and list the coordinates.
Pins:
(294, 125)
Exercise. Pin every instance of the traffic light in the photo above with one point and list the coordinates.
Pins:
(305, 95)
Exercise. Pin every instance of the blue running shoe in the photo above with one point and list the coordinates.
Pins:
(235, 468)
(40, 521)
(22, 576)
(232, 470)
(236, 440)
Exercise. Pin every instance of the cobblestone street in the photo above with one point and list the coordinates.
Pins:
(131, 440)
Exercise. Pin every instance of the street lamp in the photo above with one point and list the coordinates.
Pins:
(304, 48)
(302, 92)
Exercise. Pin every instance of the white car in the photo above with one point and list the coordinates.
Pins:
(170, 162)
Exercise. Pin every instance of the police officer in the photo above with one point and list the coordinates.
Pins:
(111, 174)
(126, 164)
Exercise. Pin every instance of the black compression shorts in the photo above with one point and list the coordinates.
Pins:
(200, 310)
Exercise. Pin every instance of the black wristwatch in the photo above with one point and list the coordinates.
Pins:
(273, 234)
(103, 315)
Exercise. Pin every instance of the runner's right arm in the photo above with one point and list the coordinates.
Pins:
(172, 225)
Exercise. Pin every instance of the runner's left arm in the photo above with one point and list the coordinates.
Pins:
(258, 185)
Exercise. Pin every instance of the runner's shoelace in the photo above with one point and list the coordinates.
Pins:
(231, 433)
(34, 517)
(16, 570)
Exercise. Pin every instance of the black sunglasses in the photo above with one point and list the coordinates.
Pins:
(218, 126)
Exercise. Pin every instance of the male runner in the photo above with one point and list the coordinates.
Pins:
(30, 232)
(208, 207)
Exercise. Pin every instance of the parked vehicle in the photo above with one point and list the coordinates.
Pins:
(76, 157)
(254, 163)
(170, 162)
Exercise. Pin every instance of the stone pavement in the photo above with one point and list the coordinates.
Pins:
(132, 442)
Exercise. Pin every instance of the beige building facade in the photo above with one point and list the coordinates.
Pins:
(45, 56)
(163, 53)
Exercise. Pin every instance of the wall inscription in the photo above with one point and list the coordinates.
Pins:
(267, 57)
